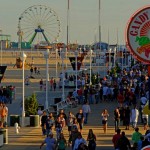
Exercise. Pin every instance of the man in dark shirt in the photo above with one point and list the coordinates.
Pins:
(123, 142)
(43, 123)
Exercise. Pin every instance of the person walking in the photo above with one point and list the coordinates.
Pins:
(134, 116)
(91, 140)
(115, 138)
(70, 121)
(123, 142)
(127, 117)
(80, 140)
(41, 84)
(80, 119)
(136, 136)
(73, 136)
(54, 85)
(86, 110)
(51, 83)
(43, 123)
(50, 142)
(104, 119)
(145, 121)
(117, 118)
(61, 143)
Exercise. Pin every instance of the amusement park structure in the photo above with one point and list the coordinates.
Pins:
(38, 24)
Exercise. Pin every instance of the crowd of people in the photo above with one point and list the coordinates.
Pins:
(128, 88)
(7, 94)
(75, 126)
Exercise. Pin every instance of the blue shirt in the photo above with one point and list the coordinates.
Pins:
(50, 143)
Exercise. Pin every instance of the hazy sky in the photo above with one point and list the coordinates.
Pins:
(83, 17)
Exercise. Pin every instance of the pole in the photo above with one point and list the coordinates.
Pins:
(63, 96)
(46, 102)
(68, 23)
(90, 67)
(109, 58)
(114, 56)
(1, 50)
(23, 89)
(68, 7)
(66, 57)
(99, 22)
(56, 63)
(76, 54)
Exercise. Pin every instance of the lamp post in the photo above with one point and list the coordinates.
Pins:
(63, 88)
(115, 56)
(23, 58)
(109, 58)
(46, 56)
(1, 46)
(56, 61)
(76, 61)
(90, 66)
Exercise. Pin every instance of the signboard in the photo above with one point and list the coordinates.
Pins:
(138, 35)
(146, 148)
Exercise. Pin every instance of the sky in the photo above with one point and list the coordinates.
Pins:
(83, 18)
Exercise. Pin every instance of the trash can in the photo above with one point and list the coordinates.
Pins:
(1, 140)
(5, 135)
(34, 120)
(14, 119)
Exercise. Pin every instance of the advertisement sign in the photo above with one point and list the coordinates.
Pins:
(138, 35)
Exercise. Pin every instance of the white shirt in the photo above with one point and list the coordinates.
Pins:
(134, 115)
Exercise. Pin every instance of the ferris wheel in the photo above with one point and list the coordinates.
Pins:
(37, 24)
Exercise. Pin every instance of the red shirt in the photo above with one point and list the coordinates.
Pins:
(115, 138)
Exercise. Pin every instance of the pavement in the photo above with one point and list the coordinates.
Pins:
(30, 138)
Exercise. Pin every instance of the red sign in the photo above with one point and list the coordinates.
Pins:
(138, 35)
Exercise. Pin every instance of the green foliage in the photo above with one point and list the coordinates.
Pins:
(31, 105)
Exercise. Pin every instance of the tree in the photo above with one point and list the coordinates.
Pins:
(31, 105)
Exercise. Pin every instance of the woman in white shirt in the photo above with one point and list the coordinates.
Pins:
(104, 119)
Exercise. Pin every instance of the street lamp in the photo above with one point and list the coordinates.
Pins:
(62, 53)
(46, 56)
(115, 50)
(1, 46)
(56, 61)
(90, 66)
(23, 58)
(109, 58)
(76, 55)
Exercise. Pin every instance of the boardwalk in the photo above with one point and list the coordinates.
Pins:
(30, 138)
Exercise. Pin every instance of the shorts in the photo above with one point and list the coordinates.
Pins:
(80, 126)
(104, 121)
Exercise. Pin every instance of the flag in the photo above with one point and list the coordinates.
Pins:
(73, 62)
(2, 71)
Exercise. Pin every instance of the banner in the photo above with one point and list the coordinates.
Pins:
(2, 71)
(73, 62)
